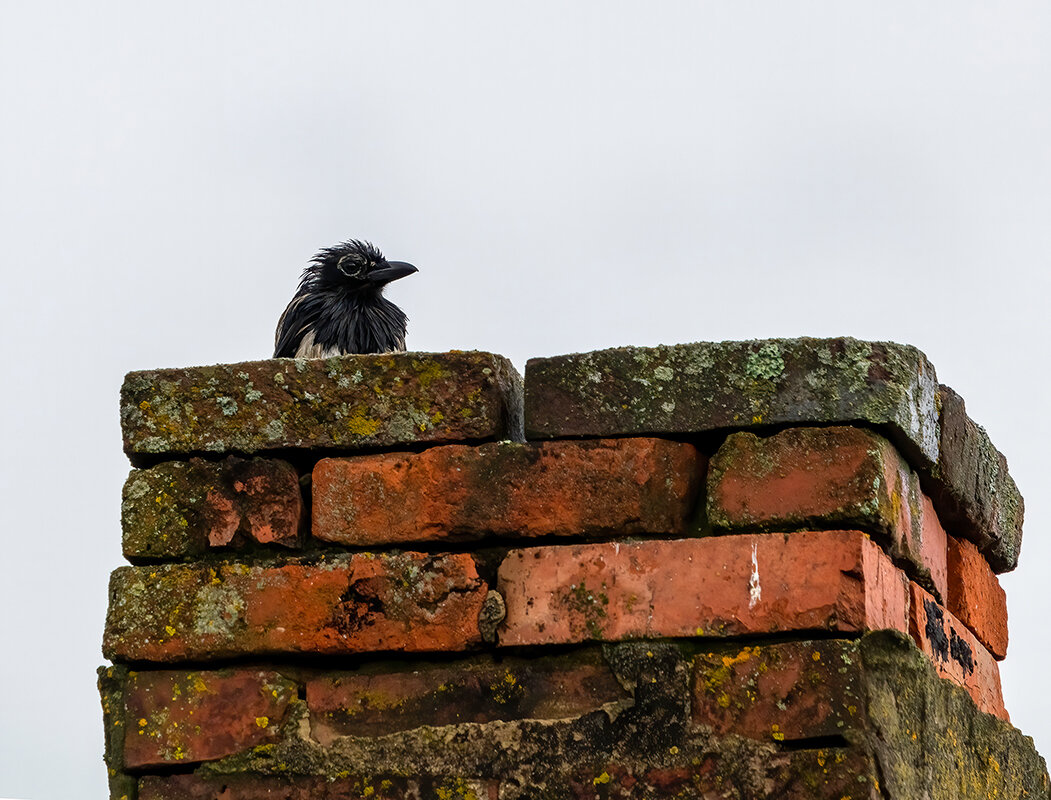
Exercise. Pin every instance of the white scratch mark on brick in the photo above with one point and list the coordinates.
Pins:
(755, 591)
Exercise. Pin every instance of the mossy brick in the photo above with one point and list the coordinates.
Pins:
(818, 774)
(111, 682)
(973, 491)
(174, 718)
(955, 652)
(779, 692)
(705, 386)
(339, 403)
(376, 702)
(299, 787)
(833, 477)
(717, 586)
(827, 773)
(344, 604)
(976, 598)
(916, 736)
(184, 508)
(930, 738)
(575, 488)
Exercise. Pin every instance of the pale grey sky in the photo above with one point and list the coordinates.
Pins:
(567, 176)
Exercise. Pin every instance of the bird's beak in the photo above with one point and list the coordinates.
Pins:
(391, 272)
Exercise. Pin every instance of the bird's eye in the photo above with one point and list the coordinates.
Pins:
(349, 267)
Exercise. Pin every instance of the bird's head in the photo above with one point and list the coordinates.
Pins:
(359, 265)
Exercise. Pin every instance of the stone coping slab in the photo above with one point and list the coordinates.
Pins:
(340, 403)
(707, 386)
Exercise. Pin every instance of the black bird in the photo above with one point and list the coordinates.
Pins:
(339, 307)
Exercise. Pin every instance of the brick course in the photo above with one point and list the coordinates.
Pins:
(719, 586)
(618, 486)
(348, 604)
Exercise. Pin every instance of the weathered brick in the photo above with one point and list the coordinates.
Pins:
(346, 604)
(184, 508)
(975, 596)
(780, 692)
(111, 684)
(975, 494)
(955, 652)
(586, 488)
(339, 403)
(376, 702)
(314, 787)
(923, 732)
(176, 717)
(707, 386)
(842, 477)
(833, 773)
(716, 586)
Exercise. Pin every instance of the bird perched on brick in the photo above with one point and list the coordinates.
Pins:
(339, 307)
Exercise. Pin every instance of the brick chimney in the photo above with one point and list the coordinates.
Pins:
(713, 570)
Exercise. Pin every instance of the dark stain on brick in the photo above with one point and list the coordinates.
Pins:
(935, 629)
(961, 652)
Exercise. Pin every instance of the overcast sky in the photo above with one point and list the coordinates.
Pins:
(566, 175)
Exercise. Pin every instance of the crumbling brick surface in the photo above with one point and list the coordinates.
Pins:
(179, 508)
(910, 735)
(347, 604)
(607, 487)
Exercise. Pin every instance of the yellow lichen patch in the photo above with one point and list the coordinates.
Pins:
(428, 373)
(776, 733)
(456, 789)
(362, 425)
(723, 700)
(262, 722)
(745, 655)
(605, 777)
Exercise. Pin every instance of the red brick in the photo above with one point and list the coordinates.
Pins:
(716, 586)
(846, 477)
(174, 717)
(816, 774)
(587, 488)
(347, 604)
(975, 596)
(312, 787)
(955, 652)
(780, 692)
(183, 508)
(377, 703)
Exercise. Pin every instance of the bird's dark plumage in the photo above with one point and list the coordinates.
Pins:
(339, 307)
